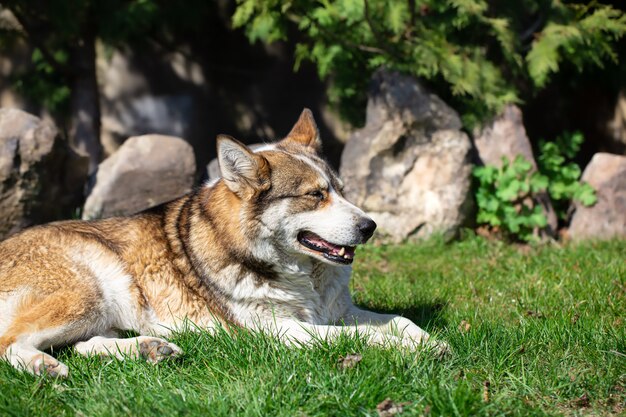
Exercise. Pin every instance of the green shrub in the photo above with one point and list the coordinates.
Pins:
(504, 198)
(505, 195)
(556, 162)
(480, 55)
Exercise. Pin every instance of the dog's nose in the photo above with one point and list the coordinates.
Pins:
(366, 227)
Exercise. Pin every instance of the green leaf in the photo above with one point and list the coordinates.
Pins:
(397, 16)
(586, 195)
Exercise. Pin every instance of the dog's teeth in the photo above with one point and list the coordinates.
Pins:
(342, 251)
(346, 256)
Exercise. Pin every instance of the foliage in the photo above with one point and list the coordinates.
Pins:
(43, 84)
(53, 29)
(505, 195)
(479, 54)
(543, 326)
(556, 163)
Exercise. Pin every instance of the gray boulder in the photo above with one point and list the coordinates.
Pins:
(410, 166)
(505, 136)
(606, 173)
(41, 178)
(145, 171)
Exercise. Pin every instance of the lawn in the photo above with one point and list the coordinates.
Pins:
(535, 331)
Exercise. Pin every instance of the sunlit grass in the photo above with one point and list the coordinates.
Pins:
(535, 331)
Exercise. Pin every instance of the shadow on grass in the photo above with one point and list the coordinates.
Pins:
(425, 315)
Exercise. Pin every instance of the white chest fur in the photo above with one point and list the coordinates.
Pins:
(315, 294)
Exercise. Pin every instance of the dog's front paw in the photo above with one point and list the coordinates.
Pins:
(439, 348)
(154, 350)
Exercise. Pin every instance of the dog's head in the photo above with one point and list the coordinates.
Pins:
(292, 197)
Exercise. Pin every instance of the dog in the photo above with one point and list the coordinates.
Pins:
(267, 246)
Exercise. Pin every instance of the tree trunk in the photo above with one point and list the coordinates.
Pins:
(84, 129)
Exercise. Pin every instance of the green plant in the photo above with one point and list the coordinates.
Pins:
(505, 195)
(43, 84)
(505, 198)
(478, 54)
(556, 163)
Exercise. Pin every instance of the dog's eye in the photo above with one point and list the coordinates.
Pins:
(317, 194)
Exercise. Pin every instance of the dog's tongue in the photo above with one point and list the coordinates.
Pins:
(332, 248)
(345, 251)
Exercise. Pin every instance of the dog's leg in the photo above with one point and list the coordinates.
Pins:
(41, 322)
(153, 349)
(34, 361)
(300, 333)
(410, 334)
(387, 324)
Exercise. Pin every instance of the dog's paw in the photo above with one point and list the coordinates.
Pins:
(47, 365)
(155, 350)
(439, 348)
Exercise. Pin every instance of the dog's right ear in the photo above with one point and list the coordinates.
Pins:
(305, 133)
(241, 168)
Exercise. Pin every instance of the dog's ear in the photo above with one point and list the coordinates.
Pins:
(241, 169)
(305, 133)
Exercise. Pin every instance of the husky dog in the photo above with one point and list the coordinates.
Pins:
(267, 247)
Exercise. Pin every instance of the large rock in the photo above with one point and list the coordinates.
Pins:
(505, 136)
(41, 179)
(146, 171)
(409, 167)
(606, 173)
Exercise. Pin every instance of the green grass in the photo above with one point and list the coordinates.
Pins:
(544, 326)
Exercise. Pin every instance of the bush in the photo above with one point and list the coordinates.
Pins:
(505, 195)
(556, 163)
(480, 55)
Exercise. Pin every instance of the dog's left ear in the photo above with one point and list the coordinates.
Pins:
(305, 133)
(241, 169)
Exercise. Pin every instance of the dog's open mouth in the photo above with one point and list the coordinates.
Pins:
(335, 253)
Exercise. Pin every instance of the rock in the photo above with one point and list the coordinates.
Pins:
(131, 105)
(606, 173)
(213, 169)
(409, 167)
(505, 136)
(166, 115)
(146, 171)
(41, 178)
(616, 128)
